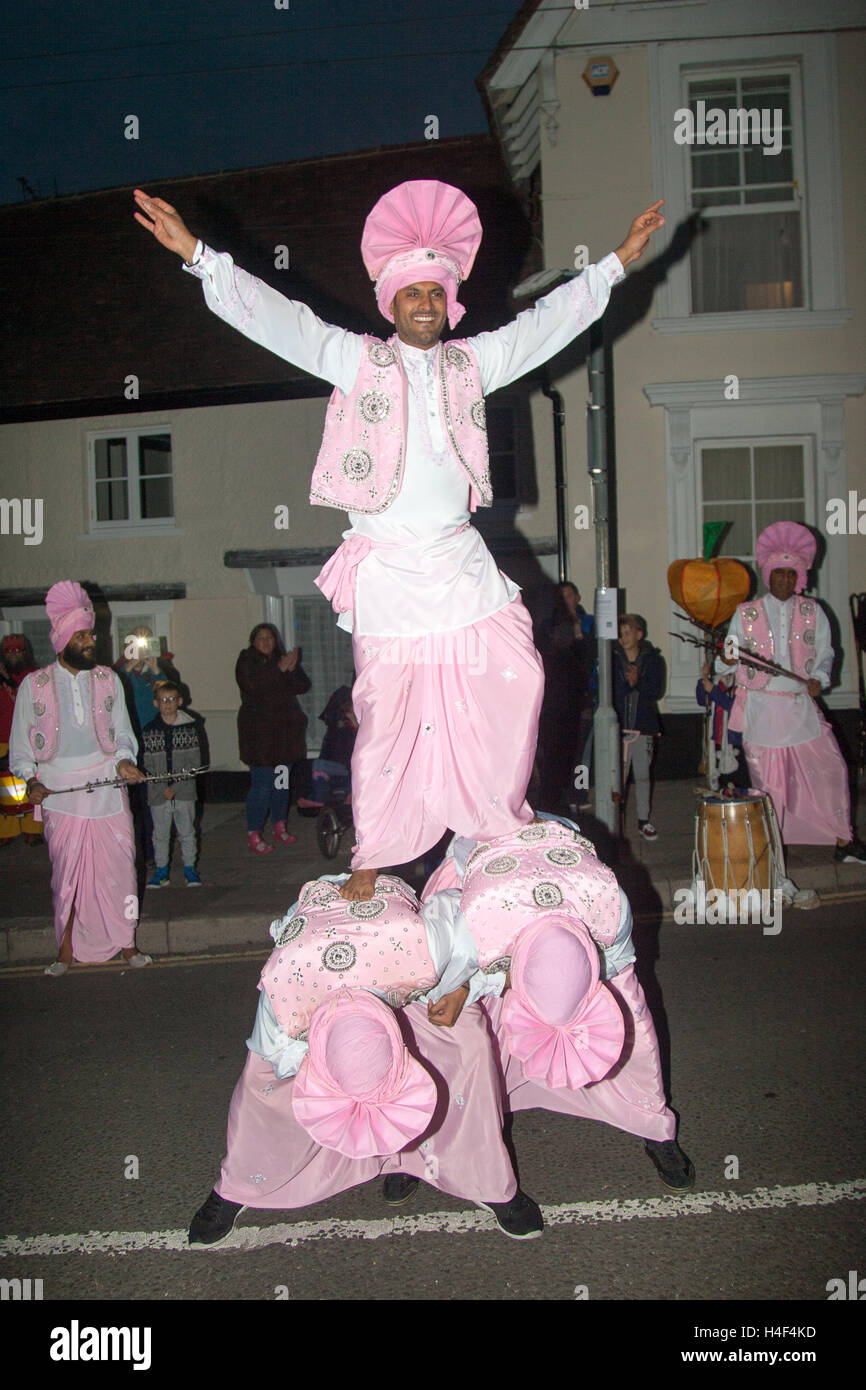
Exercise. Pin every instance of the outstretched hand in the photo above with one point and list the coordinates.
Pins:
(160, 218)
(639, 234)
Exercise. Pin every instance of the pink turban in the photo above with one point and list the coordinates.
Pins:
(558, 1018)
(786, 545)
(69, 610)
(358, 1091)
(421, 230)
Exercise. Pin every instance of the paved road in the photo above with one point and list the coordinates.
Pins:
(766, 1047)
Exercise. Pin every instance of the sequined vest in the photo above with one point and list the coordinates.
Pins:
(379, 943)
(758, 635)
(44, 732)
(363, 455)
(544, 868)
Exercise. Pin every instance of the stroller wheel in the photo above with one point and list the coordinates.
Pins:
(328, 832)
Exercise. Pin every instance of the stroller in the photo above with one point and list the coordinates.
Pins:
(331, 790)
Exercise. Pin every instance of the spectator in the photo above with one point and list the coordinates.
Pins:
(567, 647)
(172, 744)
(16, 662)
(331, 779)
(638, 682)
(271, 727)
(722, 744)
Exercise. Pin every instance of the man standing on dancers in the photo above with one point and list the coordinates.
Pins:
(789, 745)
(448, 684)
(71, 727)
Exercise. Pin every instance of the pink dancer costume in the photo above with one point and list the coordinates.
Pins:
(449, 684)
(789, 745)
(320, 1108)
(70, 729)
(551, 871)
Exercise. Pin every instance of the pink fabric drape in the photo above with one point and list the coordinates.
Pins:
(448, 729)
(808, 785)
(273, 1163)
(93, 866)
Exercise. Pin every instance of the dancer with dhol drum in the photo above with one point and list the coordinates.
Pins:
(789, 745)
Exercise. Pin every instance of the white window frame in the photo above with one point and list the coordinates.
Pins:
(135, 525)
(768, 408)
(815, 118)
(807, 443)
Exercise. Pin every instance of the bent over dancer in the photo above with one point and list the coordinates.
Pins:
(449, 683)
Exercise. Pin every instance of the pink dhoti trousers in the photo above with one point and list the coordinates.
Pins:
(808, 785)
(447, 736)
(273, 1163)
(93, 869)
(630, 1097)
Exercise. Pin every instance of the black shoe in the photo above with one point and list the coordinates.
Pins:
(213, 1221)
(852, 853)
(675, 1168)
(398, 1188)
(520, 1218)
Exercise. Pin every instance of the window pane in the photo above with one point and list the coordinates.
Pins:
(768, 512)
(713, 87)
(154, 454)
(156, 498)
(738, 539)
(110, 457)
(112, 501)
(717, 199)
(726, 474)
(715, 169)
(747, 263)
(779, 471)
(769, 168)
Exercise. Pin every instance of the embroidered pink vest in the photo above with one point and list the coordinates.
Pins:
(379, 943)
(44, 732)
(756, 629)
(543, 868)
(363, 454)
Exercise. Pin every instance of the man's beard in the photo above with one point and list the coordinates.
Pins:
(78, 660)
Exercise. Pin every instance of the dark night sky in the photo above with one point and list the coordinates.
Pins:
(223, 84)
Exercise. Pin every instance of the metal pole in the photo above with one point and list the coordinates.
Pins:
(559, 474)
(606, 734)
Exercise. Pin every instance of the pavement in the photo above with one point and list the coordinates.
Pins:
(241, 893)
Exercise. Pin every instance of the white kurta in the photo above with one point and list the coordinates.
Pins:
(783, 714)
(77, 748)
(445, 576)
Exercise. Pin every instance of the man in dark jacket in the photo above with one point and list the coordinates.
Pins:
(271, 727)
(638, 682)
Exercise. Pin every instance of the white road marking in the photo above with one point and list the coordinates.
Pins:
(813, 1194)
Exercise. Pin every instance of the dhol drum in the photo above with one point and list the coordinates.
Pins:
(13, 796)
(737, 843)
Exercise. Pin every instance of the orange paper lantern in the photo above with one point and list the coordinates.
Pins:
(709, 590)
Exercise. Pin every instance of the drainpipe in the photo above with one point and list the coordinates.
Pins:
(606, 734)
(559, 473)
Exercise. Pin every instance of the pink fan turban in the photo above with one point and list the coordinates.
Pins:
(558, 1018)
(69, 610)
(358, 1091)
(786, 545)
(421, 230)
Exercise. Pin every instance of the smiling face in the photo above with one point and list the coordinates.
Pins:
(264, 641)
(420, 312)
(783, 584)
(80, 651)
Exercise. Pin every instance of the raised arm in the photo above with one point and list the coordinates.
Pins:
(284, 326)
(553, 322)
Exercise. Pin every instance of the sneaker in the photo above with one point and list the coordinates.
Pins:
(648, 830)
(852, 853)
(398, 1188)
(192, 878)
(282, 836)
(159, 880)
(139, 960)
(520, 1218)
(675, 1168)
(56, 969)
(213, 1221)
